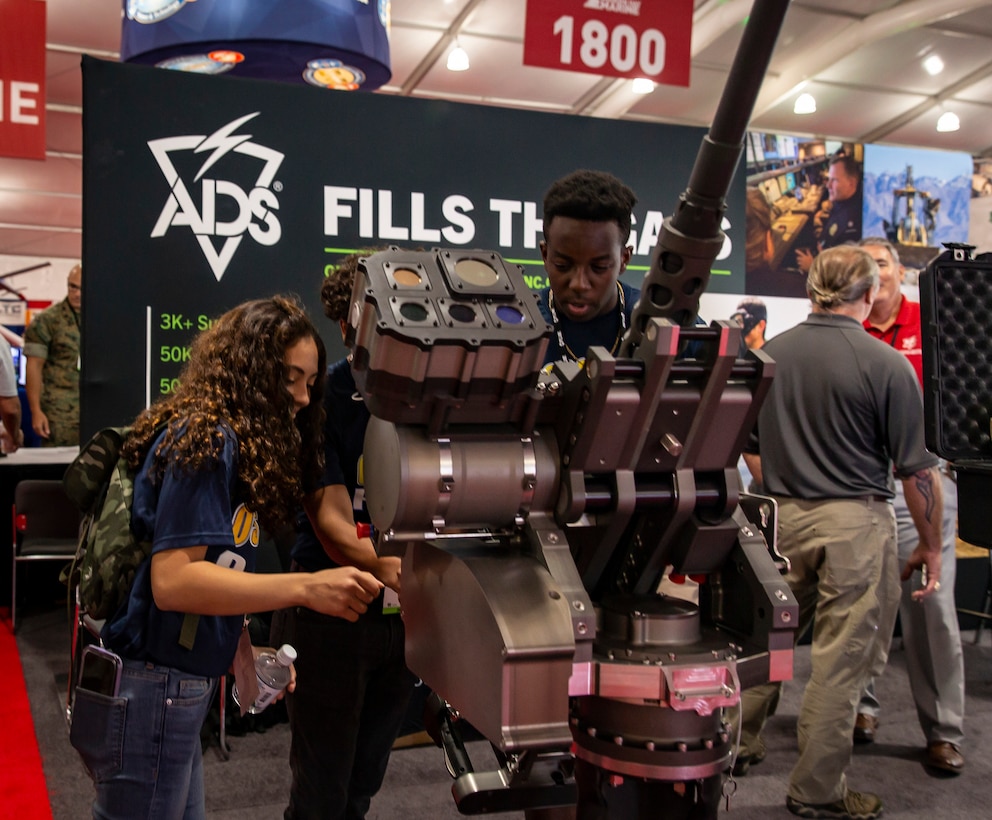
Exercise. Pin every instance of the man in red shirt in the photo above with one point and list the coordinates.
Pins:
(894, 319)
(934, 660)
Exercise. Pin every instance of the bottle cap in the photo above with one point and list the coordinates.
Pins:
(286, 655)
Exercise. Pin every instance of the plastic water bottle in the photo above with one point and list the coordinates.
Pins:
(272, 669)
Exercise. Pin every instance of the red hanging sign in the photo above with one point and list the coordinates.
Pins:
(22, 78)
(615, 38)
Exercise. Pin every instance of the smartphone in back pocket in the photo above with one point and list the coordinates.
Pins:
(100, 671)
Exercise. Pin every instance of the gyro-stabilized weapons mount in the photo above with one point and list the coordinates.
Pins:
(537, 513)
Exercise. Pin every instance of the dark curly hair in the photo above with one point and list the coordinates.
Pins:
(235, 379)
(335, 292)
(593, 195)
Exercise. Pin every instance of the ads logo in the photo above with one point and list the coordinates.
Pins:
(226, 210)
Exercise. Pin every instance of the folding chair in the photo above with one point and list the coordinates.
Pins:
(46, 528)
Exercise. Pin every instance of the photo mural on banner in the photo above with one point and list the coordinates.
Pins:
(980, 207)
(200, 192)
(917, 199)
(803, 195)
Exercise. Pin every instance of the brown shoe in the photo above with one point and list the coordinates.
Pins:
(854, 806)
(945, 756)
(864, 728)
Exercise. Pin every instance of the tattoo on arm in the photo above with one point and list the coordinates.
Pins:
(925, 485)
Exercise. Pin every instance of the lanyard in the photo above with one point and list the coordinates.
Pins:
(563, 345)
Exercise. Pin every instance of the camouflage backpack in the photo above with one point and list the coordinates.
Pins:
(108, 555)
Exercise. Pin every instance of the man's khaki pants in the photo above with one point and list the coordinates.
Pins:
(845, 573)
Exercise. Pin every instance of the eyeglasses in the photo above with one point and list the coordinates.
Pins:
(744, 320)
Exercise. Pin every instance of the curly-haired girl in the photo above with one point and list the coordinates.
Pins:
(216, 460)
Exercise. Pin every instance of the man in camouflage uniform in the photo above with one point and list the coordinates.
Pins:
(52, 384)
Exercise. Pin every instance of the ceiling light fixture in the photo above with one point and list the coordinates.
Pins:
(458, 59)
(948, 122)
(642, 85)
(933, 65)
(805, 104)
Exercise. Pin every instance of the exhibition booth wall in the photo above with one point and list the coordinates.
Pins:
(200, 192)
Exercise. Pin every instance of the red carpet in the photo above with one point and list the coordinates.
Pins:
(23, 794)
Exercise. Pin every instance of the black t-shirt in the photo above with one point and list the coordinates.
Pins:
(344, 438)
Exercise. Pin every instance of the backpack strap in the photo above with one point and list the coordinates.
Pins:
(187, 635)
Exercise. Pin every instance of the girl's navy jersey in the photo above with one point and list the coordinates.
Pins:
(187, 509)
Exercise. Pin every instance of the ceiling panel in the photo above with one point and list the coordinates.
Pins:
(695, 104)
(93, 25)
(64, 132)
(974, 128)
(979, 92)
(720, 51)
(803, 31)
(63, 78)
(49, 244)
(853, 111)
(851, 8)
(971, 22)
(435, 13)
(898, 61)
(406, 53)
(58, 210)
(497, 72)
(497, 18)
(56, 175)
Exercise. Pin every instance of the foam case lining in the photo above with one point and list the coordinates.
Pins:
(956, 308)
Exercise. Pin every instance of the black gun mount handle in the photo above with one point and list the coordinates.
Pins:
(691, 238)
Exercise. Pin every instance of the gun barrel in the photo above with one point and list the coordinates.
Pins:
(692, 237)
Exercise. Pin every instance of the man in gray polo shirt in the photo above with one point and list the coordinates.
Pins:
(842, 410)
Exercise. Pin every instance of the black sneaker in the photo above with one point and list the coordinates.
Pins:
(854, 806)
(746, 760)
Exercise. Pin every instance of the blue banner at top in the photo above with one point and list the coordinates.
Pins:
(340, 44)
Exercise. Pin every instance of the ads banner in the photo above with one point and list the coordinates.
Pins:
(200, 192)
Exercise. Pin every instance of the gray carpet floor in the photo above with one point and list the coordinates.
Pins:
(254, 782)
